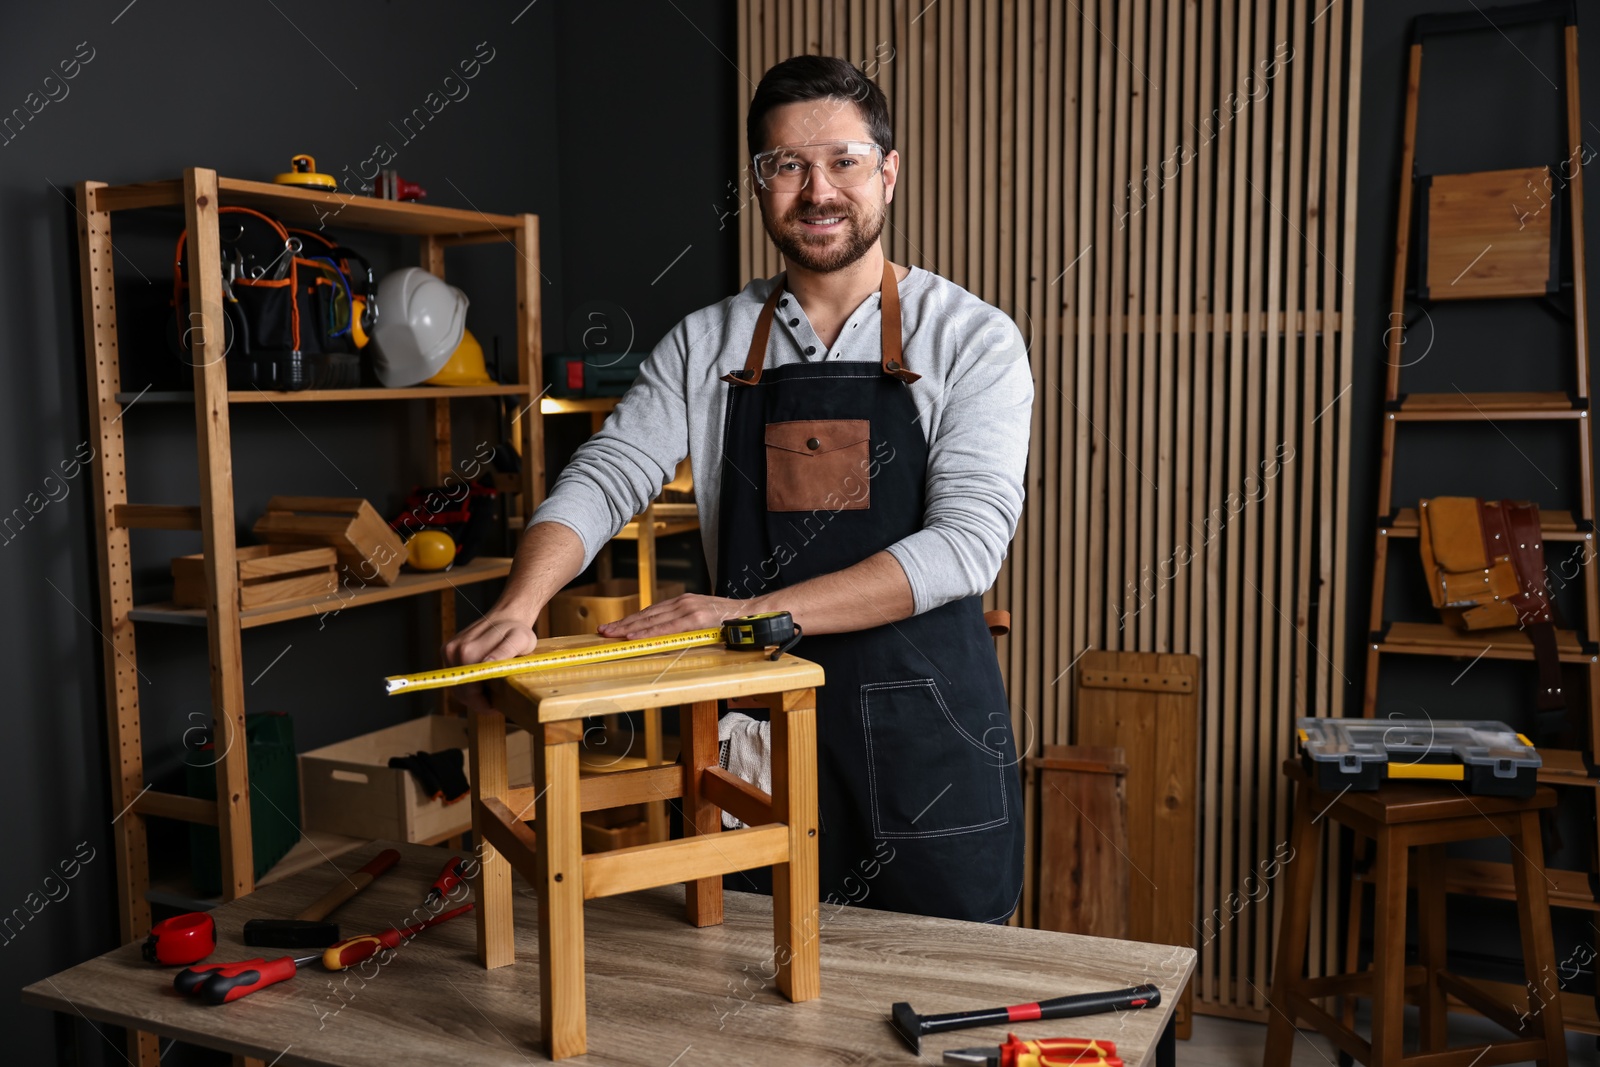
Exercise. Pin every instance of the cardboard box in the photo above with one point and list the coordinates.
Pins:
(349, 787)
(582, 608)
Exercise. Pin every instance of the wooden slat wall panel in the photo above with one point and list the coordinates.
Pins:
(1161, 193)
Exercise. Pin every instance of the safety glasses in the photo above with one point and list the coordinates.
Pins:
(787, 168)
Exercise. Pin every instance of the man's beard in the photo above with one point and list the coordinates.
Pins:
(825, 253)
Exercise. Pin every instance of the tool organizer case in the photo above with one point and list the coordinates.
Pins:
(1487, 758)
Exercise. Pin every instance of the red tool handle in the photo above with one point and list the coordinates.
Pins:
(189, 980)
(1058, 1052)
(349, 953)
(234, 980)
(448, 879)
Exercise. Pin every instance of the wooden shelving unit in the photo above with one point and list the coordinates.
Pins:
(198, 194)
(1425, 251)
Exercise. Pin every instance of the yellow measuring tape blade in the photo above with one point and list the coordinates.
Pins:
(544, 661)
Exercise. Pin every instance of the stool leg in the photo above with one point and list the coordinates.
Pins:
(1389, 950)
(486, 747)
(1294, 928)
(1538, 945)
(1352, 930)
(1429, 880)
(794, 884)
(702, 897)
(558, 862)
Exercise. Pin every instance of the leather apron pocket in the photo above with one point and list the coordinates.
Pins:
(927, 776)
(818, 464)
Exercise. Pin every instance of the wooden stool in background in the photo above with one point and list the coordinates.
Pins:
(781, 828)
(1398, 817)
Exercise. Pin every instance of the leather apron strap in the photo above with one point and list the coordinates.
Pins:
(893, 358)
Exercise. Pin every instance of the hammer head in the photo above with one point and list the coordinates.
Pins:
(908, 1024)
(290, 933)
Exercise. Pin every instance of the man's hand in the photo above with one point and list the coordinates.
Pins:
(691, 611)
(498, 635)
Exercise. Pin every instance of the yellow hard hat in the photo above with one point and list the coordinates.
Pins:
(465, 366)
(430, 550)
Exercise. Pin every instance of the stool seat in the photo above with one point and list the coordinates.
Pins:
(780, 832)
(1398, 817)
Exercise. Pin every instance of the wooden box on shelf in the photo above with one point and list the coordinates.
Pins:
(349, 788)
(267, 574)
(349, 525)
(581, 608)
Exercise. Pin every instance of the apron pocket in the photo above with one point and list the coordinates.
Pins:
(818, 464)
(926, 776)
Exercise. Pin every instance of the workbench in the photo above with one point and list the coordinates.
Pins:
(660, 992)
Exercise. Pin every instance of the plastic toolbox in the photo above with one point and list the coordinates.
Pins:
(1486, 758)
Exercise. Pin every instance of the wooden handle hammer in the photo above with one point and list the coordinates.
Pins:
(308, 929)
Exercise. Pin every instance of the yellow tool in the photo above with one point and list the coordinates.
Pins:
(773, 629)
(303, 171)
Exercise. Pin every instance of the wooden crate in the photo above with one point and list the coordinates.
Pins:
(1083, 849)
(613, 828)
(349, 788)
(580, 609)
(267, 574)
(367, 547)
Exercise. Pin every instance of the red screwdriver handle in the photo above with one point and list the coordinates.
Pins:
(448, 879)
(189, 980)
(235, 980)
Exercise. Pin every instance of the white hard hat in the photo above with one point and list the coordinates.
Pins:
(422, 323)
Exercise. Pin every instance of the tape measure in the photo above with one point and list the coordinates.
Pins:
(776, 630)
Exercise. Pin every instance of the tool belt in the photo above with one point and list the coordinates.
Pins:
(287, 305)
(1485, 565)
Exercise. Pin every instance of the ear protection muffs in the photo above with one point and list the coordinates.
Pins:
(364, 303)
(363, 286)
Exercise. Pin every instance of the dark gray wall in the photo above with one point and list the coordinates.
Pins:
(548, 126)
(1489, 101)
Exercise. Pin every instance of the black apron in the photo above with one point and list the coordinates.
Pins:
(824, 465)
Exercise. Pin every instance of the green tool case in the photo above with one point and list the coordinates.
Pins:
(274, 799)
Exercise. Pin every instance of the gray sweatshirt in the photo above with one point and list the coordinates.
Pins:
(974, 402)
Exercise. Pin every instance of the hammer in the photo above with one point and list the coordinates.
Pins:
(308, 930)
(911, 1026)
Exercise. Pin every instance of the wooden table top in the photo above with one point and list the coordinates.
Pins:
(657, 681)
(660, 992)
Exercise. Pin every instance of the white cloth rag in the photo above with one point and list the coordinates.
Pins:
(746, 751)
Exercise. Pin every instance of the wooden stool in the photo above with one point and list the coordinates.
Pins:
(1397, 817)
(781, 829)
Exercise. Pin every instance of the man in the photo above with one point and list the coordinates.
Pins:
(858, 432)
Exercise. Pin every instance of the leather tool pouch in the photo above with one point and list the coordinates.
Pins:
(818, 464)
(1485, 565)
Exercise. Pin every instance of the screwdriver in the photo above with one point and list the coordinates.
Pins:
(1041, 1052)
(348, 953)
(221, 983)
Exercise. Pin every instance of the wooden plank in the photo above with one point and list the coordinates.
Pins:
(697, 723)
(119, 654)
(617, 789)
(155, 517)
(1293, 513)
(530, 359)
(561, 882)
(176, 806)
(739, 677)
(491, 882)
(796, 930)
(624, 870)
(215, 447)
(1201, 574)
(736, 796)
